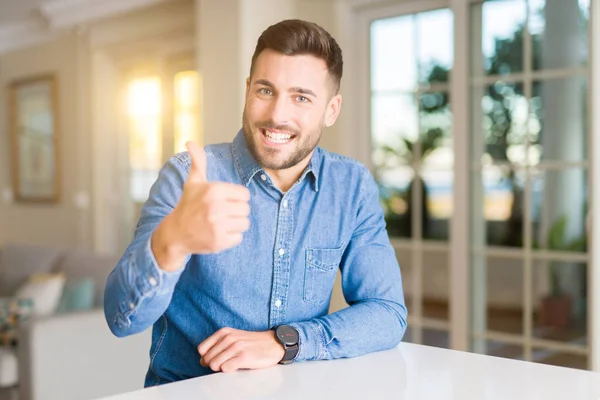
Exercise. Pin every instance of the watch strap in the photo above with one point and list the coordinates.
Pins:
(290, 353)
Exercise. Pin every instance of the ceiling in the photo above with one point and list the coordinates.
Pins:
(25, 22)
(14, 11)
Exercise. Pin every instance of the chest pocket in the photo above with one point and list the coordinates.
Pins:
(319, 274)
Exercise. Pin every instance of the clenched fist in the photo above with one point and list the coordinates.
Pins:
(210, 217)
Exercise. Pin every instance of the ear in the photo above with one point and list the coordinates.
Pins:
(247, 86)
(333, 110)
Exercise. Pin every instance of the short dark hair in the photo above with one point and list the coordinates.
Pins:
(295, 37)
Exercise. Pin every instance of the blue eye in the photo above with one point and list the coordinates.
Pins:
(303, 99)
(265, 91)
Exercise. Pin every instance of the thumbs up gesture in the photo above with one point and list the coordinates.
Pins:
(210, 217)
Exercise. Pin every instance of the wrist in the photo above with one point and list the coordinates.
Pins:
(279, 350)
(167, 250)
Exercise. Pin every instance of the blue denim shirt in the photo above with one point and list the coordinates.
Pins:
(282, 273)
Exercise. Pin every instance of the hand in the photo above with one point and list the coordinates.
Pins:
(230, 349)
(210, 217)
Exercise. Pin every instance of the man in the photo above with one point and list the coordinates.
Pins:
(237, 248)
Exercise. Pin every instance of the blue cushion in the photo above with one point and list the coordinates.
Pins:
(77, 296)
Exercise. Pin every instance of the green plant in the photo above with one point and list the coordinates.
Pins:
(557, 240)
(407, 153)
(428, 142)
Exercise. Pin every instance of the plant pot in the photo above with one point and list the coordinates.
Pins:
(556, 311)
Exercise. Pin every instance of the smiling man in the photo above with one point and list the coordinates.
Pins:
(237, 248)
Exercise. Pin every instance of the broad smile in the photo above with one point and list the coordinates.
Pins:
(276, 138)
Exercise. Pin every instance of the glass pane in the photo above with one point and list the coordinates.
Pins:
(498, 31)
(435, 125)
(559, 210)
(186, 109)
(435, 150)
(558, 120)
(435, 45)
(505, 295)
(436, 203)
(560, 299)
(497, 295)
(394, 119)
(504, 350)
(559, 33)
(144, 107)
(436, 282)
(396, 198)
(500, 116)
(497, 203)
(436, 338)
(394, 129)
(553, 357)
(393, 63)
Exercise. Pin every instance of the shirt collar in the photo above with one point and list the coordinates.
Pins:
(248, 167)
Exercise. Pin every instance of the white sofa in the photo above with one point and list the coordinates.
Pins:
(70, 355)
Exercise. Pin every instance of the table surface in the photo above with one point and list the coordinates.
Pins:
(407, 372)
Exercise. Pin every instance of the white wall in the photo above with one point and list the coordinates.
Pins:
(51, 225)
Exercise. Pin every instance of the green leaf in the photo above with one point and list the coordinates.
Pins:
(556, 234)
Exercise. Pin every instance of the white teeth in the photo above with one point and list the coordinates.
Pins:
(278, 137)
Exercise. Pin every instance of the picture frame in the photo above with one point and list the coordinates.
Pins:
(34, 133)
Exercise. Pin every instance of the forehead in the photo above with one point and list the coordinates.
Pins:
(292, 71)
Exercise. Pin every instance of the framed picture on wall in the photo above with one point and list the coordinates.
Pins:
(34, 131)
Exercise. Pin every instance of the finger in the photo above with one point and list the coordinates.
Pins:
(212, 353)
(223, 210)
(230, 191)
(233, 350)
(237, 209)
(198, 167)
(232, 240)
(233, 364)
(212, 340)
(236, 225)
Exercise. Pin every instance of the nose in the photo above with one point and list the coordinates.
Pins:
(280, 110)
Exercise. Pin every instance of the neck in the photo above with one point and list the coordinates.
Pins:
(284, 179)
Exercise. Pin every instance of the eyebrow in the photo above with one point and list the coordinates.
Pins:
(296, 89)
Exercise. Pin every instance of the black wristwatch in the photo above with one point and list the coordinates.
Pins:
(289, 339)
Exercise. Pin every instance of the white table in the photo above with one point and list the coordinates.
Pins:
(411, 372)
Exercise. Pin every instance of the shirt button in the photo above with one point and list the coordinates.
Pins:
(285, 204)
(152, 281)
(281, 252)
(263, 177)
(131, 306)
(278, 303)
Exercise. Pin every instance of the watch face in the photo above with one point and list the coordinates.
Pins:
(287, 335)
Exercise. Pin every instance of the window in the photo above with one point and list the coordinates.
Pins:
(529, 128)
(186, 109)
(145, 139)
(149, 145)
(411, 133)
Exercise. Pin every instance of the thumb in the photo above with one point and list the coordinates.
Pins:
(198, 167)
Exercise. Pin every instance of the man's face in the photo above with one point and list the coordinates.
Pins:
(289, 99)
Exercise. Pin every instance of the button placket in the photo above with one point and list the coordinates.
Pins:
(281, 264)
